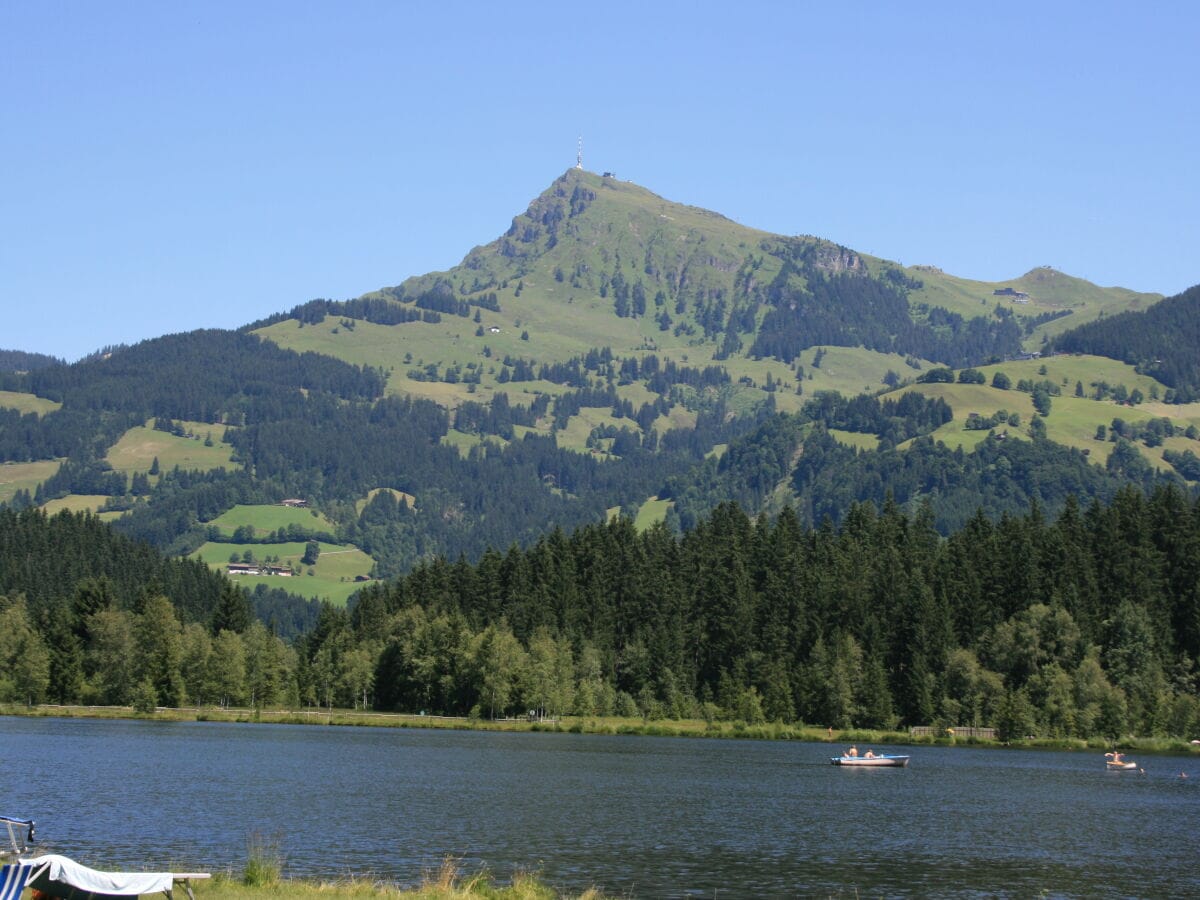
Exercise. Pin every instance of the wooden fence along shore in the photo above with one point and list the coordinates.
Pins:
(606, 725)
(958, 731)
(249, 711)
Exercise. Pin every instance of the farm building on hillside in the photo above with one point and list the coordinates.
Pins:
(257, 569)
(1017, 296)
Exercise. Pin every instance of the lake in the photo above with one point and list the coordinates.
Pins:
(634, 816)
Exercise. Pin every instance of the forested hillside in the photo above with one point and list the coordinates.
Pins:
(386, 479)
(611, 352)
(1089, 624)
(1085, 625)
(1163, 341)
(863, 495)
(20, 361)
(46, 559)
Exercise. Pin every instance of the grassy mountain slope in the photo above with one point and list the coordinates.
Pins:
(596, 262)
(27, 403)
(1047, 290)
(24, 476)
(1161, 341)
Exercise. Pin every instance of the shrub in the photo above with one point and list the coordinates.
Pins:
(971, 376)
(263, 862)
(938, 375)
(145, 698)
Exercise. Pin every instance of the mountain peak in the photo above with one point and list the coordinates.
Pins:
(597, 262)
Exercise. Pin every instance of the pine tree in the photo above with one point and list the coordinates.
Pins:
(233, 612)
(160, 649)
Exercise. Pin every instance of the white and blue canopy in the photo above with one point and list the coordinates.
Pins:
(59, 876)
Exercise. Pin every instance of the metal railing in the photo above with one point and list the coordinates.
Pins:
(20, 834)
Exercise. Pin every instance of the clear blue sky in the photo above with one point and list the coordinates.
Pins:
(170, 166)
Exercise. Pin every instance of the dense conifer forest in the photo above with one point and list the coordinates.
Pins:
(827, 477)
(21, 361)
(1087, 624)
(45, 559)
(1161, 341)
(847, 310)
(313, 426)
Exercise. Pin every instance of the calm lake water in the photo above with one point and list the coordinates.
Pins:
(635, 816)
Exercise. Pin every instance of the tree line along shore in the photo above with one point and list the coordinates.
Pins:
(1082, 627)
(604, 725)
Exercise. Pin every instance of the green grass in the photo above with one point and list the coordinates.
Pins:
(968, 398)
(1183, 412)
(27, 403)
(479, 885)
(333, 577)
(689, 728)
(450, 343)
(636, 393)
(678, 417)
(652, 512)
(1073, 421)
(1065, 370)
(261, 879)
(24, 476)
(447, 344)
(1048, 290)
(575, 435)
(75, 503)
(795, 731)
(138, 447)
(268, 518)
(855, 439)
(717, 451)
(851, 370)
(360, 505)
(464, 442)
(445, 881)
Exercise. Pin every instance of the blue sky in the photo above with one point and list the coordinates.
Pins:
(170, 166)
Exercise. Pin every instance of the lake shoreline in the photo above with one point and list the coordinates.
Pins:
(601, 725)
(372, 811)
(446, 882)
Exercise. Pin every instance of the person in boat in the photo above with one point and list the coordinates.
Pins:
(870, 754)
(852, 752)
(1115, 756)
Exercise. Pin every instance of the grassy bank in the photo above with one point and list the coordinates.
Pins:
(691, 728)
(565, 725)
(446, 882)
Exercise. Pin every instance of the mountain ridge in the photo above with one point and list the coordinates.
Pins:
(642, 274)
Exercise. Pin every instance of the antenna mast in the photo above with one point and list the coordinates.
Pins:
(579, 155)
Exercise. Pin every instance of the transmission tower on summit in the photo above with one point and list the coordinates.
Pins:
(579, 155)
